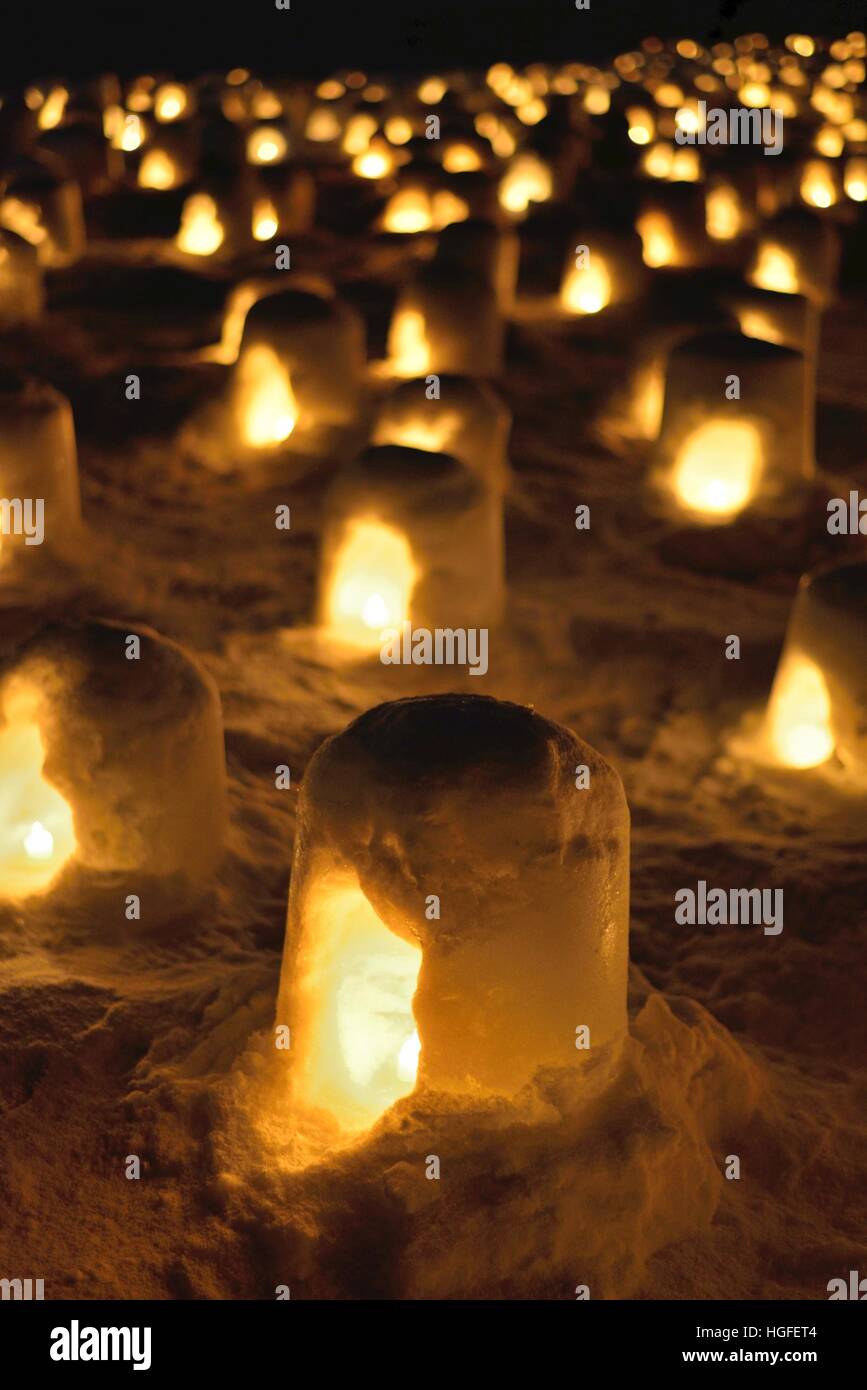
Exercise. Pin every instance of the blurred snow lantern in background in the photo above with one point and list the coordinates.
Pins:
(446, 319)
(203, 227)
(267, 144)
(718, 456)
(283, 201)
(819, 186)
(473, 802)
(409, 536)
(819, 696)
(300, 372)
(173, 101)
(170, 158)
(483, 249)
(671, 224)
(855, 179)
(602, 267)
(86, 157)
(22, 292)
(528, 179)
(728, 213)
(38, 461)
(467, 420)
(798, 252)
(789, 320)
(422, 203)
(43, 205)
(115, 765)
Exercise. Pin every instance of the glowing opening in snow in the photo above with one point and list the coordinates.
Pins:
(36, 829)
(799, 715)
(818, 188)
(658, 246)
(723, 219)
(526, 181)
(170, 102)
(586, 289)
(373, 164)
(267, 145)
(775, 270)
(408, 348)
(130, 133)
(754, 324)
(322, 125)
(371, 584)
(433, 436)
(855, 180)
(52, 109)
(23, 218)
(265, 220)
(268, 408)
(641, 125)
(157, 170)
(408, 211)
(717, 469)
(201, 232)
(461, 159)
(360, 1044)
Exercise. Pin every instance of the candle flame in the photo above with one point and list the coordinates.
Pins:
(201, 232)
(371, 584)
(717, 469)
(269, 410)
(36, 826)
(586, 289)
(798, 724)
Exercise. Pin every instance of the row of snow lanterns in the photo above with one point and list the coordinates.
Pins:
(348, 925)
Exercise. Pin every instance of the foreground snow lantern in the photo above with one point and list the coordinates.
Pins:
(819, 694)
(109, 760)
(472, 801)
(299, 371)
(21, 282)
(38, 469)
(467, 420)
(446, 319)
(718, 456)
(409, 536)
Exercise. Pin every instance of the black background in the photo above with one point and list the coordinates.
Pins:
(49, 37)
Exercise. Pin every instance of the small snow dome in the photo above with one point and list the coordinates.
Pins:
(458, 911)
(112, 761)
(819, 697)
(409, 536)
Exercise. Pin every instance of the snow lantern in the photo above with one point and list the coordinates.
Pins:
(485, 250)
(43, 205)
(21, 283)
(38, 468)
(458, 908)
(300, 371)
(733, 430)
(671, 224)
(602, 267)
(409, 536)
(446, 319)
(798, 252)
(528, 179)
(202, 231)
(465, 419)
(819, 696)
(111, 757)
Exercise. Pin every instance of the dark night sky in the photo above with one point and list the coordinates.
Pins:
(50, 37)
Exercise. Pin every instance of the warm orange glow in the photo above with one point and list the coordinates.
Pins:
(597, 100)
(201, 232)
(322, 125)
(157, 170)
(36, 828)
(422, 431)
(268, 408)
(658, 246)
(52, 109)
(829, 141)
(685, 166)
(170, 102)
(265, 220)
(461, 159)
(798, 725)
(657, 160)
(130, 134)
(359, 1044)
(373, 164)
(267, 145)
(775, 269)
(717, 469)
(360, 130)
(398, 130)
(371, 584)
(754, 324)
(855, 180)
(408, 211)
(723, 218)
(408, 348)
(24, 218)
(818, 187)
(526, 181)
(641, 125)
(432, 90)
(586, 289)
(447, 207)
